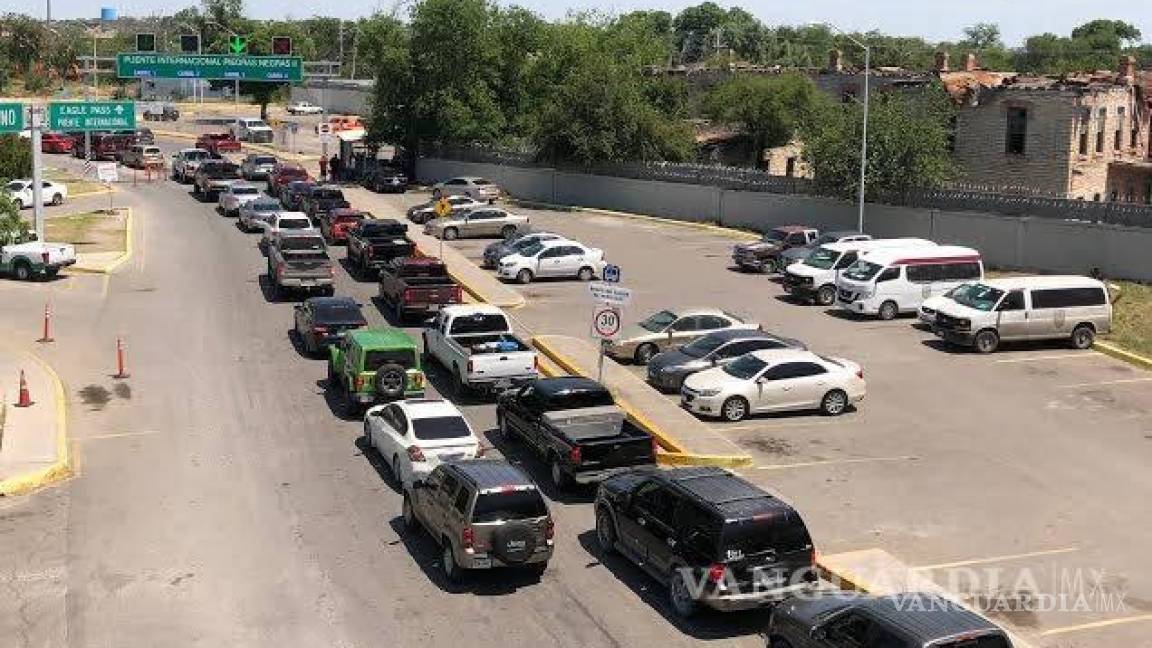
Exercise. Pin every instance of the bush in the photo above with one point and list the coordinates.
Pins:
(15, 157)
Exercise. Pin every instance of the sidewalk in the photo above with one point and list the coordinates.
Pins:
(481, 284)
(685, 440)
(33, 443)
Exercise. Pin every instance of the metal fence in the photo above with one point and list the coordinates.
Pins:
(1009, 201)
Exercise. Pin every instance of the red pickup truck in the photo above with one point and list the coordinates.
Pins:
(412, 285)
(282, 175)
(334, 225)
(218, 143)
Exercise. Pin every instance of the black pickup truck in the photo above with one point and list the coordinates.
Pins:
(417, 285)
(322, 200)
(574, 425)
(373, 243)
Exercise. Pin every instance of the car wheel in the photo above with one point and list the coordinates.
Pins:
(408, 514)
(605, 531)
(986, 341)
(22, 270)
(458, 383)
(680, 597)
(537, 569)
(734, 409)
(57, 199)
(778, 642)
(771, 266)
(396, 470)
(391, 379)
(524, 276)
(560, 479)
(826, 295)
(834, 403)
(585, 274)
(451, 233)
(644, 353)
(1083, 337)
(508, 231)
(888, 310)
(452, 571)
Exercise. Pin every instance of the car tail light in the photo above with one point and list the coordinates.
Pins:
(358, 383)
(716, 573)
(319, 329)
(549, 529)
(415, 453)
(860, 373)
(368, 251)
(574, 455)
(536, 362)
(44, 256)
(655, 446)
(331, 271)
(470, 366)
(467, 537)
(279, 269)
(457, 294)
(418, 379)
(408, 292)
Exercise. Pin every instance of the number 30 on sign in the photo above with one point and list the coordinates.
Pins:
(606, 322)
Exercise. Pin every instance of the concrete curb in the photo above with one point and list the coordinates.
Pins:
(674, 453)
(717, 229)
(112, 265)
(1123, 354)
(62, 468)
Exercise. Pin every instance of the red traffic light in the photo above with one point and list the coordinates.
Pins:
(282, 46)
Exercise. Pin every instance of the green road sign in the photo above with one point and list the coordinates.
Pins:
(11, 117)
(238, 44)
(91, 115)
(210, 66)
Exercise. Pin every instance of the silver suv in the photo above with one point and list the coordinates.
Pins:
(484, 513)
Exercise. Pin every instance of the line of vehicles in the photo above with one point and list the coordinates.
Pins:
(713, 539)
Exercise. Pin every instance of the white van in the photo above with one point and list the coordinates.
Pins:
(1026, 308)
(889, 282)
(814, 278)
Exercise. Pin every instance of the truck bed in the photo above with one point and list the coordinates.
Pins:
(482, 344)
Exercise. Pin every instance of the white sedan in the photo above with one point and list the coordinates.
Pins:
(555, 258)
(414, 436)
(775, 380)
(20, 192)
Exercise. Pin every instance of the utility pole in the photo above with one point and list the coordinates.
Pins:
(355, 45)
(340, 40)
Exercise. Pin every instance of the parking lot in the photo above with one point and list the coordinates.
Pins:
(267, 519)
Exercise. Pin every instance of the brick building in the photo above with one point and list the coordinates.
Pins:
(1077, 136)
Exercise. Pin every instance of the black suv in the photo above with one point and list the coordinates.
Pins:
(713, 538)
(908, 620)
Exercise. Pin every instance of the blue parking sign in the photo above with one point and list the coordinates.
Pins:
(611, 273)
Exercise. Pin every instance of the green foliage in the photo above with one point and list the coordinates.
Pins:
(907, 143)
(770, 109)
(15, 158)
(13, 228)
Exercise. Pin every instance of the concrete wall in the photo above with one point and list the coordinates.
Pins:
(336, 96)
(1041, 244)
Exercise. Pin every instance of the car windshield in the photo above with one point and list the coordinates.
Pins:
(862, 271)
(338, 312)
(376, 358)
(293, 172)
(658, 321)
(781, 532)
(295, 223)
(978, 296)
(481, 181)
(14, 186)
(371, 229)
(436, 428)
(264, 159)
(245, 191)
(745, 367)
(222, 171)
(195, 155)
(508, 506)
(774, 236)
(822, 258)
(297, 243)
(529, 249)
(262, 206)
(479, 323)
(826, 238)
(348, 218)
(703, 346)
(328, 194)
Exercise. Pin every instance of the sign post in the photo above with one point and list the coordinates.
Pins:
(606, 326)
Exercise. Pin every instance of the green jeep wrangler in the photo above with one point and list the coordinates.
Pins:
(374, 366)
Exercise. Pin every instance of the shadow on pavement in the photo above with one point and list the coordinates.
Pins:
(518, 454)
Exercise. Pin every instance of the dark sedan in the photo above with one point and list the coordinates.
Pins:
(320, 321)
(667, 370)
(293, 194)
(386, 179)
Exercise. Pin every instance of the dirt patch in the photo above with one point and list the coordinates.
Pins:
(76, 184)
(122, 390)
(95, 396)
(89, 231)
(772, 446)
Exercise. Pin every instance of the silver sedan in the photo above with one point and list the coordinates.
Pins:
(484, 222)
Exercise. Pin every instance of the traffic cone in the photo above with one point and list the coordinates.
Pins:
(47, 337)
(121, 373)
(25, 397)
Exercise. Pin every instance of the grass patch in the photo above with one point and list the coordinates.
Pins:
(1132, 318)
(76, 184)
(92, 231)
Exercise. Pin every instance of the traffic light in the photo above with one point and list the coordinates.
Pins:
(190, 43)
(145, 42)
(282, 46)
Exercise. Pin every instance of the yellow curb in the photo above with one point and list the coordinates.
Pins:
(719, 229)
(1123, 354)
(112, 265)
(62, 468)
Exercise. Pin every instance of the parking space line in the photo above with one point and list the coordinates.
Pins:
(118, 435)
(1063, 356)
(1095, 624)
(834, 462)
(993, 559)
(1101, 383)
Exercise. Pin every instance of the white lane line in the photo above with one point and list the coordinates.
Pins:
(1101, 383)
(834, 462)
(1095, 624)
(118, 435)
(1064, 356)
(993, 559)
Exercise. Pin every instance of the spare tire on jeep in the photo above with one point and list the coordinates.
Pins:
(390, 381)
(514, 542)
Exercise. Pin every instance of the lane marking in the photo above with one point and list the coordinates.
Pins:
(833, 462)
(992, 559)
(1095, 624)
(1101, 383)
(118, 435)
(1064, 356)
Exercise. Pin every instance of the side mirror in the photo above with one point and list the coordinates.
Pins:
(419, 484)
(714, 360)
(761, 380)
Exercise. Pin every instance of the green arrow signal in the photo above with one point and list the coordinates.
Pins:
(238, 44)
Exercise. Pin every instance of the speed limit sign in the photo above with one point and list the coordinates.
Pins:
(606, 322)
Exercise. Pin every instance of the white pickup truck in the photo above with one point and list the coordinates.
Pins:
(26, 261)
(475, 343)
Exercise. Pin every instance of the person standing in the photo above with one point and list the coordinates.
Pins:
(323, 167)
(335, 165)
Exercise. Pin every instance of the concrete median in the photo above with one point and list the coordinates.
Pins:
(33, 440)
(685, 440)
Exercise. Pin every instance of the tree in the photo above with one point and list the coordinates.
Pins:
(770, 109)
(13, 228)
(982, 36)
(693, 26)
(908, 137)
(15, 158)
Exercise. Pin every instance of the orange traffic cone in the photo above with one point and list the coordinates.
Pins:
(25, 397)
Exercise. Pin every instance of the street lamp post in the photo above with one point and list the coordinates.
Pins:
(864, 134)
